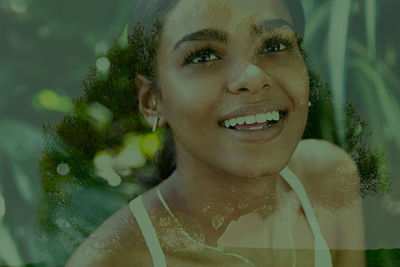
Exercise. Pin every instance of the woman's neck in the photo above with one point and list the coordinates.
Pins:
(214, 198)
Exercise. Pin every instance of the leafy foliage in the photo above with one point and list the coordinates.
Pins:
(68, 212)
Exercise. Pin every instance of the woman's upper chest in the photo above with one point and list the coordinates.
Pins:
(279, 240)
(287, 228)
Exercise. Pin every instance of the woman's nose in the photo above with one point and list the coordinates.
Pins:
(252, 79)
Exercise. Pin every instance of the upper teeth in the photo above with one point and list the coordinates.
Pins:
(259, 118)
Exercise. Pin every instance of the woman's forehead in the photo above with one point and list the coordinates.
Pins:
(226, 15)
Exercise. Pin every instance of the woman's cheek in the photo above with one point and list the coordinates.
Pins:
(299, 83)
(300, 94)
(187, 100)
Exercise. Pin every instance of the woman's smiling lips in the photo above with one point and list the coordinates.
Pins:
(265, 134)
(262, 122)
(255, 109)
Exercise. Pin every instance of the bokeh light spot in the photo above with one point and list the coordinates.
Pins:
(50, 100)
(129, 157)
(392, 206)
(150, 144)
(100, 116)
(63, 169)
(110, 175)
(19, 6)
(103, 64)
(114, 180)
(103, 160)
(132, 139)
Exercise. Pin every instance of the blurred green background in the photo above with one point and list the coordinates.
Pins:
(46, 48)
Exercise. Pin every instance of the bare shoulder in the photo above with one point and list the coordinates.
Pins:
(323, 154)
(115, 243)
(335, 184)
(328, 171)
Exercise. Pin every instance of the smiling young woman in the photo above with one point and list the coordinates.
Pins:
(231, 84)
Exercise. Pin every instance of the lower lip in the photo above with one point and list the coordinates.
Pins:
(258, 136)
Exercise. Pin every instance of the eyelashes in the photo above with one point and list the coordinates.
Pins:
(206, 53)
(277, 44)
(201, 54)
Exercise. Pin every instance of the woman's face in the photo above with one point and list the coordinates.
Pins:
(222, 60)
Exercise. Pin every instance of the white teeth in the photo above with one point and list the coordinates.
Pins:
(250, 119)
(232, 122)
(256, 128)
(240, 120)
(275, 115)
(259, 118)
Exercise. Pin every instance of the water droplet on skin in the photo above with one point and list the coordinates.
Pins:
(243, 205)
(207, 206)
(164, 222)
(217, 221)
(229, 208)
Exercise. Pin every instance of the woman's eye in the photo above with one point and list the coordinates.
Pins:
(275, 47)
(201, 56)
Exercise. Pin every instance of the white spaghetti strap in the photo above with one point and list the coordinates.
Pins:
(322, 255)
(150, 236)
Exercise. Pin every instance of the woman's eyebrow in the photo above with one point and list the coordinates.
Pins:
(203, 35)
(267, 24)
(219, 36)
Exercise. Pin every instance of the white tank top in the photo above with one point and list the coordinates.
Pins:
(322, 256)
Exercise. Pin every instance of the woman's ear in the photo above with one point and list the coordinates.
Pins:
(148, 101)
